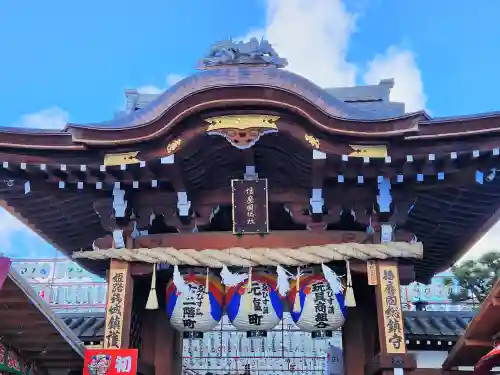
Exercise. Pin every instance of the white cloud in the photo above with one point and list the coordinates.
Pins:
(149, 89)
(50, 118)
(314, 36)
(173, 78)
(400, 65)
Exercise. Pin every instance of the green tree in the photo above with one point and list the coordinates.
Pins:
(477, 277)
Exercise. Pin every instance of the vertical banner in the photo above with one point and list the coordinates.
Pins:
(110, 362)
(250, 206)
(4, 269)
(119, 288)
(334, 361)
(391, 308)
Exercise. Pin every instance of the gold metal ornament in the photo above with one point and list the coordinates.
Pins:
(372, 151)
(313, 141)
(242, 131)
(173, 146)
(111, 160)
(242, 122)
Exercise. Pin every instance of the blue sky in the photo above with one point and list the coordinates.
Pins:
(72, 60)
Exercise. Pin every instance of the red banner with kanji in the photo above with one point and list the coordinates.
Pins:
(4, 269)
(110, 362)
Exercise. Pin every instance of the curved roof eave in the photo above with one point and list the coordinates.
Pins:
(270, 77)
(286, 85)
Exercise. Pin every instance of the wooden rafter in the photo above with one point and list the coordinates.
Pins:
(29, 326)
(479, 337)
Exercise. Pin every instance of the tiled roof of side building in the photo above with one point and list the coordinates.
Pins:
(370, 98)
(87, 326)
(442, 325)
(419, 325)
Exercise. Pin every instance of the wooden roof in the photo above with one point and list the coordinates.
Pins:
(434, 164)
(480, 336)
(32, 328)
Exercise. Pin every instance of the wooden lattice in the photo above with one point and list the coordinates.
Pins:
(135, 328)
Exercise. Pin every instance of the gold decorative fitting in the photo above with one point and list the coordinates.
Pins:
(111, 160)
(313, 141)
(242, 122)
(364, 151)
(173, 146)
(242, 131)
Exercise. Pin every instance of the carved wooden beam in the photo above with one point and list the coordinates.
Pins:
(115, 212)
(317, 201)
(225, 240)
(222, 197)
(182, 217)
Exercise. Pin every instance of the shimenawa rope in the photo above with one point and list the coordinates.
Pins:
(252, 257)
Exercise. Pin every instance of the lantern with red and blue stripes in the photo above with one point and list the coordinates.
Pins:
(197, 311)
(316, 308)
(254, 305)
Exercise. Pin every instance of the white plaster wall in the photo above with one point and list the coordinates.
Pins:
(436, 358)
(429, 358)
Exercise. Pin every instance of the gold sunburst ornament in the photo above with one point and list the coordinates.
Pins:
(242, 131)
(313, 141)
(242, 122)
(173, 146)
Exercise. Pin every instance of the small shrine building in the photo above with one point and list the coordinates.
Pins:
(246, 192)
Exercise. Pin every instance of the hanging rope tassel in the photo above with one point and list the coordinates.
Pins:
(152, 303)
(296, 303)
(248, 293)
(205, 303)
(350, 301)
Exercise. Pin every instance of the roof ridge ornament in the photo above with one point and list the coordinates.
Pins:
(253, 52)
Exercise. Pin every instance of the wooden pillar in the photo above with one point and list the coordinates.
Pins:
(352, 340)
(167, 355)
(148, 335)
(118, 306)
(360, 328)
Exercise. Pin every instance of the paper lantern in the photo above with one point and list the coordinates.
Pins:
(256, 309)
(195, 312)
(316, 308)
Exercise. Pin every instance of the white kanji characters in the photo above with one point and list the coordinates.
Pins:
(123, 364)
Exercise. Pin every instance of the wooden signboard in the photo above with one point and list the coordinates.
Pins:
(371, 271)
(250, 206)
(391, 309)
(117, 318)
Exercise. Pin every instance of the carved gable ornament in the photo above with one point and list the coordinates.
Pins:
(242, 131)
(253, 52)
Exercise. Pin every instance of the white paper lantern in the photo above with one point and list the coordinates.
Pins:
(256, 309)
(316, 308)
(195, 312)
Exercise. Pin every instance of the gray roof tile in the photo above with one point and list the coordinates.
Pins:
(444, 325)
